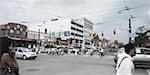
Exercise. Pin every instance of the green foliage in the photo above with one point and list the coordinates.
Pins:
(120, 45)
(141, 38)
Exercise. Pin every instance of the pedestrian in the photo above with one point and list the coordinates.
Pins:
(8, 62)
(102, 52)
(49, 51)
(125, 65)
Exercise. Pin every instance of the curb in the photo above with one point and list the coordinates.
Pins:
(148, 71)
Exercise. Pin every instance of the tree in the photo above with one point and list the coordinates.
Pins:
(141, 38)
(120, 44)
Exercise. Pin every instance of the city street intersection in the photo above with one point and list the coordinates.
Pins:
(70, 65)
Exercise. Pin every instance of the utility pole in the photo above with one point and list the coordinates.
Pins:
(39, 36)
(131, 17)
(130, 31)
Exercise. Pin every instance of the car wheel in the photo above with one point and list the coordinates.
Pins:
(24, 57)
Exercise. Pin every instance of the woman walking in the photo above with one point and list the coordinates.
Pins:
(8, 62)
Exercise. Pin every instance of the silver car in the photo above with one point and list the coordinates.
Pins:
(24, 53)
(142, 58)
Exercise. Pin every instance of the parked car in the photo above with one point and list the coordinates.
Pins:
(24, 53)
(141, 59)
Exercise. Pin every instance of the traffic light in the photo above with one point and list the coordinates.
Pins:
(114, 31)
(45, 31)
(102, 34)
(93, 34)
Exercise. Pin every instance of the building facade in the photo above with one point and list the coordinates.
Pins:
(88, 29)
(68, 32)
(77, 32)
(43, 39)
(17, 32)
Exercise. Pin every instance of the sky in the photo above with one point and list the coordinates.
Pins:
(105, 14)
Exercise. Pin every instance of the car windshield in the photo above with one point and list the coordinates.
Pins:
(26, 50)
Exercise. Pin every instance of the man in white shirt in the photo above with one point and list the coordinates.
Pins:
(125, 65)
(102, 52)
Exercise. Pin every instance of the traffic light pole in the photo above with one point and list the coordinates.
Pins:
(130, 31)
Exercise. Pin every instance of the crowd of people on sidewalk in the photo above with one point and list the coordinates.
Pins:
(75, 51)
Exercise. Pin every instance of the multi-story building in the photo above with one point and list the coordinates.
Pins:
(70, 32)
(41, 37)
(77, 30)
(59, 30)
(88, 29)
(14, 30)
(17, 32)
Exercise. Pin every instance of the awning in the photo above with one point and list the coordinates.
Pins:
(13, 38)
(23, 39)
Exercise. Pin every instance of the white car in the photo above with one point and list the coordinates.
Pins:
(141, 59)
(24, 53)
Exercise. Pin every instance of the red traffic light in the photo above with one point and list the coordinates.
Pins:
(114, 32)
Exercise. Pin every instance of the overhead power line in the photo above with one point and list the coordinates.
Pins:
(18, 4)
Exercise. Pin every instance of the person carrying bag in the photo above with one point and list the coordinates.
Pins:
(8, 62)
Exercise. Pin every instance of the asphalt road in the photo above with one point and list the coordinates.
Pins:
(70, 65)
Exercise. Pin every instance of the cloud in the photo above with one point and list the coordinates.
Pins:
(98, 11)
